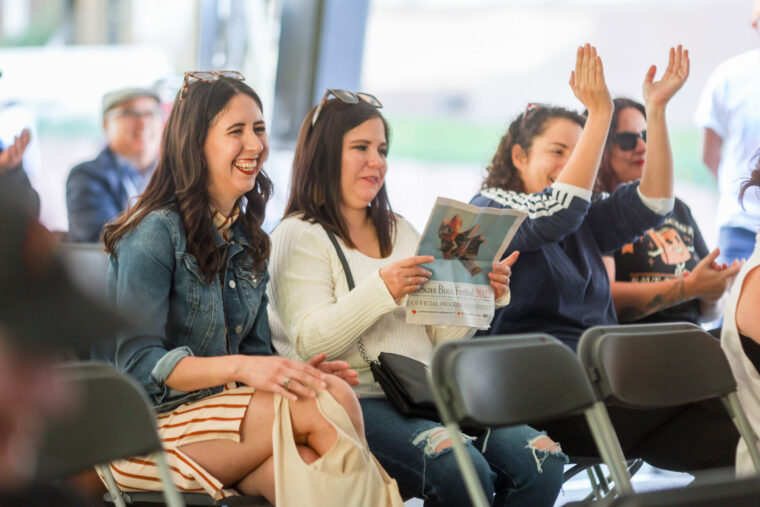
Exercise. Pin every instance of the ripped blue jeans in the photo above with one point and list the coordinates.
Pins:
(512, 470)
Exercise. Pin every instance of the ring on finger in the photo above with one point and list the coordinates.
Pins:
(409, 281)
(286, 382)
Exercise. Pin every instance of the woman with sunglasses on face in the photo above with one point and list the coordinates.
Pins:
(191, 259)
(546, 164)
(338, 185)
(667, 274)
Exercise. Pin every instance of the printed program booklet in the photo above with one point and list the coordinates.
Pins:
(465, 240)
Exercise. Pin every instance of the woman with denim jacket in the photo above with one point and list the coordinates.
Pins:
(338, 184)
(190, 258)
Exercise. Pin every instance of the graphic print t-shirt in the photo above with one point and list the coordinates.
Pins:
(662, 254)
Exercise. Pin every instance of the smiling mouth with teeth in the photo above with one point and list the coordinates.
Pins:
(246, 167)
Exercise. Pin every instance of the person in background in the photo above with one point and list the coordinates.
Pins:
(729, 114)
(667, 274)
(99, 190)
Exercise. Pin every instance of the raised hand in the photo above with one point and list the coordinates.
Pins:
(13, 154)
(658, 93)
(340, 369)
(288, 378)
(501, 273)
(406, 276)
(587, 80)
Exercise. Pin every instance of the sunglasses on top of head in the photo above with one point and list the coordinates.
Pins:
(627, 140)
(348, 98)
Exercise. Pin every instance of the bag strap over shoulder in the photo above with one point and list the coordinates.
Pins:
(351, 285)
(342, 257)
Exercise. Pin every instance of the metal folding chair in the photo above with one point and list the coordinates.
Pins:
(114, 420)
(662, 365)
(509, 380)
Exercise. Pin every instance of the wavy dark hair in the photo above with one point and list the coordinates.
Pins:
(606, 180)
(315, 181)
(754, 178)
(502, 172)
(181, 179)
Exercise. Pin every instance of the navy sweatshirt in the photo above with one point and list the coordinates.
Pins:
(559, 284)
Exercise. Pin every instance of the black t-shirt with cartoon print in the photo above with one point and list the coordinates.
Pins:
(664, 253)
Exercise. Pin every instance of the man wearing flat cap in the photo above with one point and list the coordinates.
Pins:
(99, 190)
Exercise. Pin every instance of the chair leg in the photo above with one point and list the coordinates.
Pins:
(609, 446)
(170, 492)
(731, 402)
(469, 475)
(113, 489)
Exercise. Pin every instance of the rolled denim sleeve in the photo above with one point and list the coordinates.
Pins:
(140, 283)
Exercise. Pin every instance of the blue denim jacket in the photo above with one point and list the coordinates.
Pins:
(153, 276)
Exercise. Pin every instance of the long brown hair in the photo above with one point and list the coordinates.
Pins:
(502, 172)
(181, 179)
(315, 181)
(606, 179)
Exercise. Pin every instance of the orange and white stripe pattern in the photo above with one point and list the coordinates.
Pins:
(216, 417)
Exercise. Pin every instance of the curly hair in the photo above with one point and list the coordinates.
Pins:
(181, 179)
(606, 179)
(502, 172)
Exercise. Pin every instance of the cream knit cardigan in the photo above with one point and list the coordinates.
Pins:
(311, 309)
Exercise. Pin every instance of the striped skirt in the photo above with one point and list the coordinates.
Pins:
(217, 417)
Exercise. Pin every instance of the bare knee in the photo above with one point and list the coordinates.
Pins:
(344, 395)
(544, 443)
(308, 455)
(434, 440)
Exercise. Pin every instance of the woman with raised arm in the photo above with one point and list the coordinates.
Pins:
(740, 335)
(191, 258)
(546, 165)
(667, 274)
(338, 189)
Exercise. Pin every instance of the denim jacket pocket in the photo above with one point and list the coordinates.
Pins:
(202, 311)
(252, 284)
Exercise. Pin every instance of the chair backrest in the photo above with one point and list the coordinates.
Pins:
(655, 366)
(87, 265)
(538, 375)
(114, 419)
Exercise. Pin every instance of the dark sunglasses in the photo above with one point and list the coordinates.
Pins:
(627, 140)
(348, 98)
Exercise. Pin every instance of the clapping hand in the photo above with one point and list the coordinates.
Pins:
(658, 93)
(587, 80)
(11, 157)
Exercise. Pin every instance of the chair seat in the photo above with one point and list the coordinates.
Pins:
(154, 498)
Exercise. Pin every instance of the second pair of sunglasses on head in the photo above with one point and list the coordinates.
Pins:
(348, 98)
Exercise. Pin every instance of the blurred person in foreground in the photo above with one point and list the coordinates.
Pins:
(100, 189)
(41, 318)
(729, 115)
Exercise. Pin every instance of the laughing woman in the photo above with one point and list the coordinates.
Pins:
(191, 258)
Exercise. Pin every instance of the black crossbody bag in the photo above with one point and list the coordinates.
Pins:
(403, 379)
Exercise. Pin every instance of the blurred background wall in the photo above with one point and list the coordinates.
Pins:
(451, 74)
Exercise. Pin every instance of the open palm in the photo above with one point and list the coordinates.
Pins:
(12, 156)
(660, 92)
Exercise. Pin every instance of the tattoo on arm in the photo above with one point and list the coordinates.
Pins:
(671, 297)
